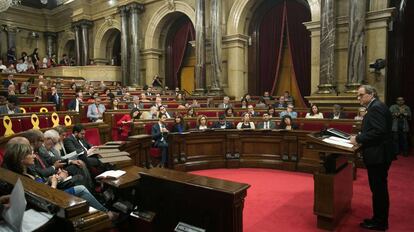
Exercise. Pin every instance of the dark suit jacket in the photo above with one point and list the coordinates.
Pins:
(47, 160)
(52, 98)
(156, 134)
(272, 125)
(229, 125)
(376, 135)
(6, 83)
(72, 105)
(342, 115)
(72, 144)
(175, 128)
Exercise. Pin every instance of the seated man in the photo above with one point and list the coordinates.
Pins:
(266, 124)
(337, 112)
(163, 110)
(250, 110)
(159, 134)
(136, 104)
(75, 104)
(225, 103)
(223, 123)
(281, 104)
(8, 81)
(289, 111)
(266, 96)
(55, 97)
(11, 106)
(77, 142)
(95, 110)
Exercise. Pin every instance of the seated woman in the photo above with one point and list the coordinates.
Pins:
(202, 122)
(114, 104)
(261, 104)
(246, 123)
(244, 103)
(191, 113)
(314, 112)
(287, 123)
(19, 157)
(272, 112)
(229, 112)
(38, 92)
(179, 124)
(124, 123)
(361, 113)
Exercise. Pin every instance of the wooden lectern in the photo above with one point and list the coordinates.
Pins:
(333, 182)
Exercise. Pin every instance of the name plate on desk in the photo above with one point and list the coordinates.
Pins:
(183, 227)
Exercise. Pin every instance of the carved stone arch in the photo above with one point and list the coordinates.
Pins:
(63, 39)
(102, 37)
(237, 21)
(158, 22)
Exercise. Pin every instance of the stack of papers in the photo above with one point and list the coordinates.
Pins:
(338, 141)
(112, 174)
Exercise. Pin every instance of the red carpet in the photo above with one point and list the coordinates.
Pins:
(283, 201)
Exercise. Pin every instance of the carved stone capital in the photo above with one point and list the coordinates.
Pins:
(136, 8)
(123, 11)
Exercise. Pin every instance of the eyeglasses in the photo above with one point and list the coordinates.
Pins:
(361, 94)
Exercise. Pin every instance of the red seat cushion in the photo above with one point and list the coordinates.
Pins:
(313, 126)
(92, 136)
(155, 152)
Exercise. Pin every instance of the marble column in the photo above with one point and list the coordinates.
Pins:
(356, 45)
(85, 25)
(123, 11)
(11, 37)
(200, 45)
(327, 80)
(76, 28)
(50, 43)
(135, 65)
(216, 42)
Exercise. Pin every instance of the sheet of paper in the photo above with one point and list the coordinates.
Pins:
(331, 141)
(340, 139)
(111, 174)
(73, 155)
(14, 215)
(33, 219)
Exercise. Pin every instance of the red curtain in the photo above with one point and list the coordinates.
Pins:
(184, 32)
(299, 43)
(270, 47)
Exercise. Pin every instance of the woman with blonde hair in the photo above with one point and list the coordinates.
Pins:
(246, 123)
(202, 122)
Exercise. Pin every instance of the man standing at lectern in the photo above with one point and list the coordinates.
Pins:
(377, 151)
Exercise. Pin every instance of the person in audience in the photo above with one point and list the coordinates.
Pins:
(245, 123)
(38, 92)
(163, 110)
(289, 111)
(225, 104)
(247, 97)
(19, 158)
(114, 105)
(286, 123)
(2, 66)
(179, 98)
(59, 145)
(126, 97)
(266, 96)
(96, 110)
(337, 112)
(24, 56)
(159, 134)
(64, 61)
(195, 104)
(11, 106)
(55, 97)
(288, 98)
(272, 112)
(21, 66)
(77, 142)
(75, 104)
(11, 55)
(108, 93)
(30, 66)
(281, 104)
(401, 114)
(210, 102)
(244, 103)
(35, 58)
(179, 124)
(10, 69)
(261, 104)
(11, 90)
(125, 123)
(267, 124)
(229, 112)
(250, 110)
(144, 98)
(222, 123)
(314, 112)
(361, 113)
(191, 113)
(136, 103)
(156, 81)
(202, 122)
(8, 81)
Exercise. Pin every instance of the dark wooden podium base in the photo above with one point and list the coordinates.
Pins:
(333, 195)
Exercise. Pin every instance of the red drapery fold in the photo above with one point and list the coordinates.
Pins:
(270, 47)
(299, 43)
(176, 51)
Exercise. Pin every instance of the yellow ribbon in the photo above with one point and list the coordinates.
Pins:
(7, 122)
(43, 110)
(55, 119)
(35, 122)
(23, 110)
(68, 120)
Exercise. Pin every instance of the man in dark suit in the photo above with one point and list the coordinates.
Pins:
(11, 106)
(8, 81)
(159, 135)
(55, 97)
(75, 104)
(222, 123)
(266, 124)
(377, 151)
(337, 112)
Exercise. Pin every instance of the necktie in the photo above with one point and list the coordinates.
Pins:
(266, 125)
(40, 161)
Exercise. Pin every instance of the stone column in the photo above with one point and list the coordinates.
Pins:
(11, 39)
(76, 28)
(200, 68)
(123, 11)
(327, 80)
(216, 41)
(50, 43)
(356, 44)
(237, 48)
(151, 57)
(135, 66)
(85, 41)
